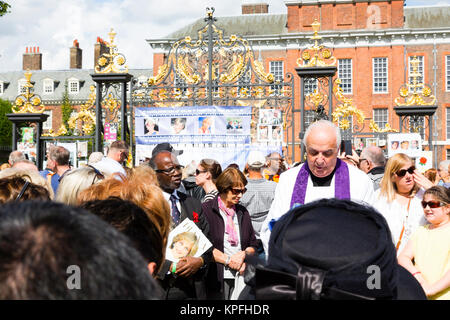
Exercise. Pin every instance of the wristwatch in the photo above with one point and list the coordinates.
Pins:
(227, 260)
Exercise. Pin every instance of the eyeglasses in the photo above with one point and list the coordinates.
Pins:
(401, 173)
(22, 191)
(432, 204)
(170, 171)
(237, 191)
(98, 174)
(197, 172)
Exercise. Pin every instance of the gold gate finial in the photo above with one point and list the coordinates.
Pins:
(28, 102)
(111, 62)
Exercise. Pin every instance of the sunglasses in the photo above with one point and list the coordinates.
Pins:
(237, 191)
(170, 171)
(24, 188)
(197, 172)
(401, 173)
(98, 174)
(432, 204)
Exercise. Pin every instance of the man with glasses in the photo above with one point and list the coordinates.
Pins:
(275, 167)
(372, 162)
(183, 279)
(323, 175)
(58, 163)
(113, 162)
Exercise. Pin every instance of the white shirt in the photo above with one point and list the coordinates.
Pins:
(109, 166)
(397, 215)
(361, 190)
(177, 202)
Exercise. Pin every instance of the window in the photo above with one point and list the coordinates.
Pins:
(345, 74)
(74, 86)
(47, 125)
(417, 125)
(380, 75)
(21, 86)
(179, 83)
(420, 79)
(380, 116)
(276, 68)
(309, 118)
(48, 86)
(448, 154)
(310, 84)
(245, 80)
(448, 122)
(447, 73)
(1, 88)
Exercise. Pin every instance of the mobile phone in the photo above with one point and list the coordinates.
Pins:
(346, 146)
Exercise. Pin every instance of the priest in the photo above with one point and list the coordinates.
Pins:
(323, 175)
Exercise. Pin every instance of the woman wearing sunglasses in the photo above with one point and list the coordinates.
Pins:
(427, 253)
(206, 174)
(231, 233)
(399, 197)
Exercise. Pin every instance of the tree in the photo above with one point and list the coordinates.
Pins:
(5, 123)
(66, 110)
(4, 8)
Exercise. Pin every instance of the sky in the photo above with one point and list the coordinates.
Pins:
(53, 25)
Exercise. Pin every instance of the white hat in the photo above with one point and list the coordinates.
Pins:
(256, 159)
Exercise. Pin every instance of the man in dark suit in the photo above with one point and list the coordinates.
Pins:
(185, 278)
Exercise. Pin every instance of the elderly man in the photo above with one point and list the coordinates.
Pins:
(182, 279)
(275, 167)
(260, 192)
(372, 162)
(112, 163)
(323, 175)
(58, 163)
(444, 174)
(15, 156)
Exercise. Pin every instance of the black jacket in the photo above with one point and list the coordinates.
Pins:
(179, 288)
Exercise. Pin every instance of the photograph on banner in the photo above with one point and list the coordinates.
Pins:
(277, 134)
(151, 126)
(234, 125)
(185, 240)
(263, 132)
(28, 149)
(359, 143)
(270, 116)
(372, 142)
(82, 149)
(178, 125)
(205, 125)
(408, 143)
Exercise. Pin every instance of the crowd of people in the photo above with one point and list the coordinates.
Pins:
(334, 226)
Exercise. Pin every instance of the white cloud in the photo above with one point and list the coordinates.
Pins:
(54, 24)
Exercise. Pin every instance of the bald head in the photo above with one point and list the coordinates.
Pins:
(371, 157)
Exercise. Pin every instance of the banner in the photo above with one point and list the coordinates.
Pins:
(408, 143)
(199, 124)
(201, 132)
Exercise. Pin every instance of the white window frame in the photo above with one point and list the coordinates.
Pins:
(447, 73)
(447, 114)
(379, 77)
(48, 124)
(381, 124)
(2, 88)
(276, 67)
(346, 75)
(70, 88)
(310, 85)
(421, 69)
(21, 86)
(48, 86)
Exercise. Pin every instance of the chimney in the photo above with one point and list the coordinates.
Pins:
(76, 55)
(32, 59)
(99, 48)
(255, 8)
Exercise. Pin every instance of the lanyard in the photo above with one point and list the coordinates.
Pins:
(403, 227)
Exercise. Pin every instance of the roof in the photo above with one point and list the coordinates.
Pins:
(11, 79)
(244, 25)
(275, 24)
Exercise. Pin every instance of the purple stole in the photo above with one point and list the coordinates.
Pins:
(341, 183)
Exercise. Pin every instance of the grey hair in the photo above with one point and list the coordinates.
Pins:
(323, 123)
(374, 154)
(16, 156)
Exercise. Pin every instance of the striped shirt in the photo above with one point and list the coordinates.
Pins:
(210, 195)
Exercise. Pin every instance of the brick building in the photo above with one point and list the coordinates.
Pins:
(50, 85)
(373, 41)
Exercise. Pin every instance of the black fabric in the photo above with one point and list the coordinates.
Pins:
(192, 189)
(165, 147)
(350, 244)
(376, 170)
(324, 181)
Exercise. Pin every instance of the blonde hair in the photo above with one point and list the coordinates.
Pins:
(74, 182)
(388, 187)
(188, 236)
